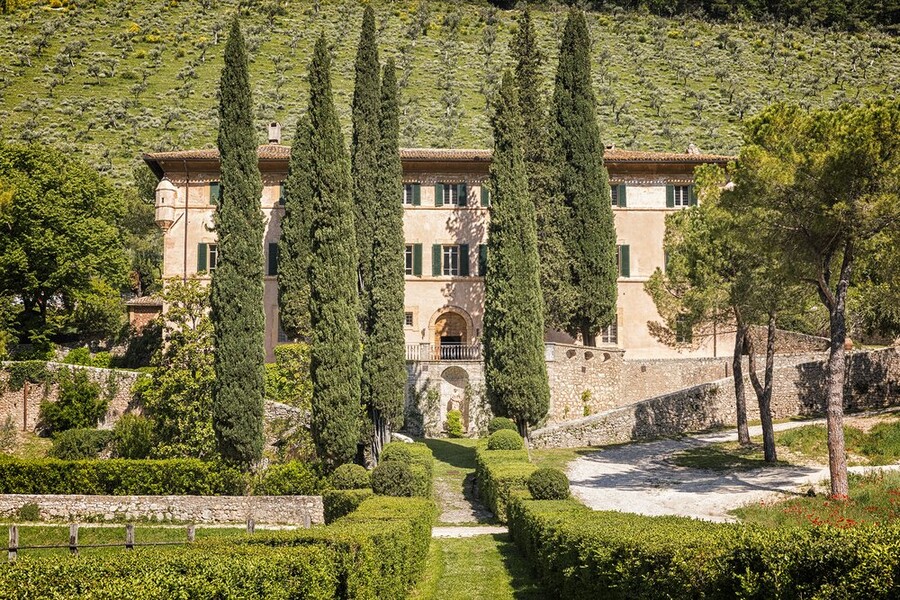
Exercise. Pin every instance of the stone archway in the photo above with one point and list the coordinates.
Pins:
(454, 382)
(451, 332)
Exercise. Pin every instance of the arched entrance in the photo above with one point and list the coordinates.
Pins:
(450, 335)
(454, 381)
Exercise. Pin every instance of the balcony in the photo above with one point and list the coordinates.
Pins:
(429, 352)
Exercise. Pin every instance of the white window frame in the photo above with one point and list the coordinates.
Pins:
(409, 319)
(212, 257)
(451, 194)
(450, 260)
(681, 195)
(610, 333)
(614, 195)
(409, 259)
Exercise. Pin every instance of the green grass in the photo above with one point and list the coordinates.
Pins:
(726, 456)
(660, 83)
(30, 445)
(874, 498)
(557, 458)
(484, 567)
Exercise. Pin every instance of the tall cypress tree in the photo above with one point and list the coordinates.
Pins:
(384, 355)
(236, 298)
(515, 371)
(335, 355)
(559, 295)
(364, 156)
(590, 234)
(294, 245)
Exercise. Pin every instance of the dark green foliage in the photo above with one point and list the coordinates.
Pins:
(454, 424)
(30, 511)
(336, 356)
(548, 484)
(119, 477)
(419, 457)
(78, 444)
(500, 474)
(287, 379)
(384, 352)
(295, 244)
(588, 554)
(80, 404)
(505, 440)
(292, 478)
(393, 478)
(341, 502)
(78, 356)
(350, 477)
(590, 235)
(32, 371)
(498, 423)
(133, 437)
(236, 299)
(515, 372)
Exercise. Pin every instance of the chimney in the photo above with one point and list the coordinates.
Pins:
(274, 133)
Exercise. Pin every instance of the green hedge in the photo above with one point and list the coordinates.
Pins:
(293, 478)
(586, 554)
(339, 503)
(119, 477)
(420, 459)
(500, 473)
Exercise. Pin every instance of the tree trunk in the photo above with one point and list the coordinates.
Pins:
(380, 436)
(588, 337)
(740, 335)
(764, 391)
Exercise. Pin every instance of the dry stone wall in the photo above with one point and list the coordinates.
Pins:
(293, 510)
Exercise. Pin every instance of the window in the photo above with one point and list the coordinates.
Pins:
(450, 260)
(272, 265)
(409, 255)
(413, 260)
(412, 194)
(618, 195)
(215, 192)
(682, 195)
(408, 319)
(683, 332)
(615, 195)
(213, 256)
(450, 194)
(623, 260)
(207, 257)
(482, 260)
(281, 193)
(610, 333)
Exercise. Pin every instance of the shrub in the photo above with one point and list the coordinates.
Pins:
(30, 511)
(292, 478)
(418, 456)
(393, 478)
(498, 423)
(454, 424)
(78, 356)
(505, 440)
(548, 484)
(338, 503)
(78, 444)
(102, 360)
(350, 477)
(500, 474)
(133, 437)
(79, 404)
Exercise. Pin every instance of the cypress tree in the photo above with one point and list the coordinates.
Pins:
(294, 245)
(364, 156)
(236, 297)
(335, 355)
(559, 295)
(515, 371)
(384, 355)
(590, 235)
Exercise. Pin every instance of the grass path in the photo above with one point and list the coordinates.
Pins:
(454, 482)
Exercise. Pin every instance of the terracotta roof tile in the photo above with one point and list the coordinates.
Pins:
(145, 301)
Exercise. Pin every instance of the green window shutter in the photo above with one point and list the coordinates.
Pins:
(273, 259)
(201, 257)
(625, 261)
(281, 193)
(622, 202)
(485, 195)
(482, 260)
(462, 194)
(439, 194)
(464, 260)
(417, 198)
(692, 195)
(436, 260)
(215, 192)
(417, 260)
(670, 196)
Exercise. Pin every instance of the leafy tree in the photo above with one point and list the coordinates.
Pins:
(825, 183)
(80, 404)
(336, 352)
(287, 379)
(384, 353)
(142, 237)
(551, 215)
(590, 235)
(236, 299)
(515, 371)
(62, 261)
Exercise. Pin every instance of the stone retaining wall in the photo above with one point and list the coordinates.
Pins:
(293, 510)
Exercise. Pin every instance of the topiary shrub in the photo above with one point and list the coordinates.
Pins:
(505, 440)
(338, 503)
(292, 478)
(133, 437)
(548, 484)
(499, 423)
(420, 460)
(79, 444)
(454, 424)
(393, 478)
(350, 477)
(399, 451)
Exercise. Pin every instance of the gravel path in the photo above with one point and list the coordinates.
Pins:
(640, 478)
(464, 532)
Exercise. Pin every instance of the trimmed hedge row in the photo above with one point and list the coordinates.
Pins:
(586, 554)
(119, 477)
(338, 503)
(420, 459)
(500, 473)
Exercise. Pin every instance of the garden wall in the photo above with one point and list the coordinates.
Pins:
(295, 510)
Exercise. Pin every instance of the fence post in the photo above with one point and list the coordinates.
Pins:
(73, 538)
(13, 542)
(129, 536)
(191, 532)
(251, 525)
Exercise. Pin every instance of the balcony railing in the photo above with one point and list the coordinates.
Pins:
(429, 352)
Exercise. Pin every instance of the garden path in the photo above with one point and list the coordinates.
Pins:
(641, 478)
(454, 482)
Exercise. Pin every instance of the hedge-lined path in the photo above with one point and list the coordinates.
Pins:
(454, 481)
(640, 478)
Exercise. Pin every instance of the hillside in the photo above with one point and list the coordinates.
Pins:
(113, 79)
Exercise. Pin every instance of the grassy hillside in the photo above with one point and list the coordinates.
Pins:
(111, 79)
